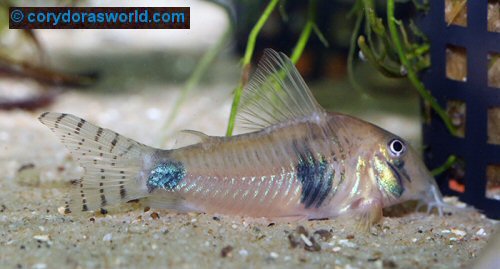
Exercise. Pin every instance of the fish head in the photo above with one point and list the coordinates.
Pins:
(400, 173)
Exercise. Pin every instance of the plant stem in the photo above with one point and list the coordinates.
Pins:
(252, 39)
(449, 162)
(385, 69)
(352, 48)
(306, 33)
(424, 93)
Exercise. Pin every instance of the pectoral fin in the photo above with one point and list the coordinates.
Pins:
(369, 213)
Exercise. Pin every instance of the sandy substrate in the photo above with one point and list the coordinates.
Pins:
(35, 235)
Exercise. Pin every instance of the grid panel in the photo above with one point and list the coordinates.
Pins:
(475, 92)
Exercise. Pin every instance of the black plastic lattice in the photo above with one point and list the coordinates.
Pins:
(476, 94)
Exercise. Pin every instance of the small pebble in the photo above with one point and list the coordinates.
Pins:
(234, 226)
(458, 232)
(306, 240)
(42, 237)
(274, 255)
(414, 240)
(346, 243)
(348, 266)
(336, 249)
(243, 252)
(227, 251)
(39, 266)
(138, 229)
(314, 245)
(445, 231)
(293, 241)
(107, 237)
(389, 264)
(376, 256)
(155, 215)
(481, 232)
(301, 230)
(61, 210)
(324, 234)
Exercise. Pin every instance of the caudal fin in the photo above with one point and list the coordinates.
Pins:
(112, 162)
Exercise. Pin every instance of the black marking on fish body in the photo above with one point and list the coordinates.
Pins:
(113, 142)
(79, 126)
(325, 190)
(314, 176)
(59, 119)
(123, 192)
(44, 114)
(98, 135)
(257, 156)
(166, 175)
(66, 208)
(126, 150)
(400, 164)
(82, 194)
(104, 202)
(84, 200)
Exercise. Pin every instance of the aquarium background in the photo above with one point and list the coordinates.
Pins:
(140, 83)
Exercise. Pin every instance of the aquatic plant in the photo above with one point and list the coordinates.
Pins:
(309, 27)
(393, 50)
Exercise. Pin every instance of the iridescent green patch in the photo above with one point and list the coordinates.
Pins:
(388, 177)
(166, 176)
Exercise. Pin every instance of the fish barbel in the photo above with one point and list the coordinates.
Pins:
(296, 162)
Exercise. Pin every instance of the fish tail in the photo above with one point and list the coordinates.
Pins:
(112, 162)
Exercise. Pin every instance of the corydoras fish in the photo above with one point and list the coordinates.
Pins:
(296, 162)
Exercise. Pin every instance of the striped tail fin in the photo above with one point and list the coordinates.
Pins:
(112, 163)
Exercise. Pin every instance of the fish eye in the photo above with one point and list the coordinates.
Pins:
(397, 147)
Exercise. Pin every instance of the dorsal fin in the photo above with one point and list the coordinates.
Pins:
(184, 138)
(200, 135)
(276, 93)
